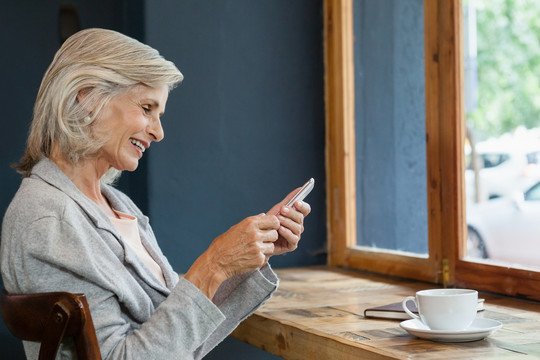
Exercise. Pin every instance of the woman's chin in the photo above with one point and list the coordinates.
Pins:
(130, 166)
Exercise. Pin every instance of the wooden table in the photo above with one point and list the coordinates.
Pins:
(317, 313)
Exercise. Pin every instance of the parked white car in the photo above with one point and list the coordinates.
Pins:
(505, 167)
(506, 229)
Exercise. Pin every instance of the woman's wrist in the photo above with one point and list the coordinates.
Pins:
(206, 275)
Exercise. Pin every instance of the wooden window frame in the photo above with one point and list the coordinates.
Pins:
(445, 134)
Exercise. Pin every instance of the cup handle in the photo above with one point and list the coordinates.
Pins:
(409, 312)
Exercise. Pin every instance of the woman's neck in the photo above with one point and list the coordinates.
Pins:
(86, 175)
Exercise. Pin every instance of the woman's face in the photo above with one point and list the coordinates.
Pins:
(130, 122)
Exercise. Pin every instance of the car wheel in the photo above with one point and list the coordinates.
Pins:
(475, 245)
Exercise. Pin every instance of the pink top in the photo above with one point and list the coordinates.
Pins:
(128, 228)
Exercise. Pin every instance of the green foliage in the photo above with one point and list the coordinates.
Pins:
(508, 66)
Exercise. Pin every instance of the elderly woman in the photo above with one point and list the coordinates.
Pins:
(67, 229)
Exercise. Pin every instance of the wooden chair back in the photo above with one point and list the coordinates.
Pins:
(49, 318)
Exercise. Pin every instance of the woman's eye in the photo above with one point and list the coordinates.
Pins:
(147, 109)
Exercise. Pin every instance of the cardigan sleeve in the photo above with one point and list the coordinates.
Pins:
(237, 298)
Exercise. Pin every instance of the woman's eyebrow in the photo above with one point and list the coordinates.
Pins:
(154, 103)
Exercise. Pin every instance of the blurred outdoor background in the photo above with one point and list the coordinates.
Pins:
(502, 105)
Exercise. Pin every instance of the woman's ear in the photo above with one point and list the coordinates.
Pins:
(82, 99)
(82, 94)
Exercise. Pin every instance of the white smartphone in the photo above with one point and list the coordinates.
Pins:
(304, 191)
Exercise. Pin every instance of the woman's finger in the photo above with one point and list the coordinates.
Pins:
(303, 207)
(267, 248)
(268, 222)
(269, 236)
(296, 227)
(291, 239)
(291, 213)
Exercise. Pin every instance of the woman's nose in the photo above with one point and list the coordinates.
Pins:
(155, 130)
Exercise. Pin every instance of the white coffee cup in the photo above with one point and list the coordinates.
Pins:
(444, 309)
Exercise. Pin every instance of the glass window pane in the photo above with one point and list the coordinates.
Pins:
(390, 125)
(502, 105)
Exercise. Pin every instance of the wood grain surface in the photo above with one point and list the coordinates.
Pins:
(317, 313)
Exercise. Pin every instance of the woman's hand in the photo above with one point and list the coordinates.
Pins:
(244, 247)
(248, 245)
(291, 221)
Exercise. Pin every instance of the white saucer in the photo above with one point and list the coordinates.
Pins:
(479, 329)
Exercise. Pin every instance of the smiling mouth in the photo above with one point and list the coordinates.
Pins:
(138, 144)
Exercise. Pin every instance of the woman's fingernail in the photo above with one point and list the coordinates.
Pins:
(285, 209)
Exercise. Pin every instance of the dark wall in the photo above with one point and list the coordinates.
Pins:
(245, 127)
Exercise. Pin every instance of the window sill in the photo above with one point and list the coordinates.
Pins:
(317, 313)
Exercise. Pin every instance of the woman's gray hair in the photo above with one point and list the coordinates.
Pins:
(98, 64)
